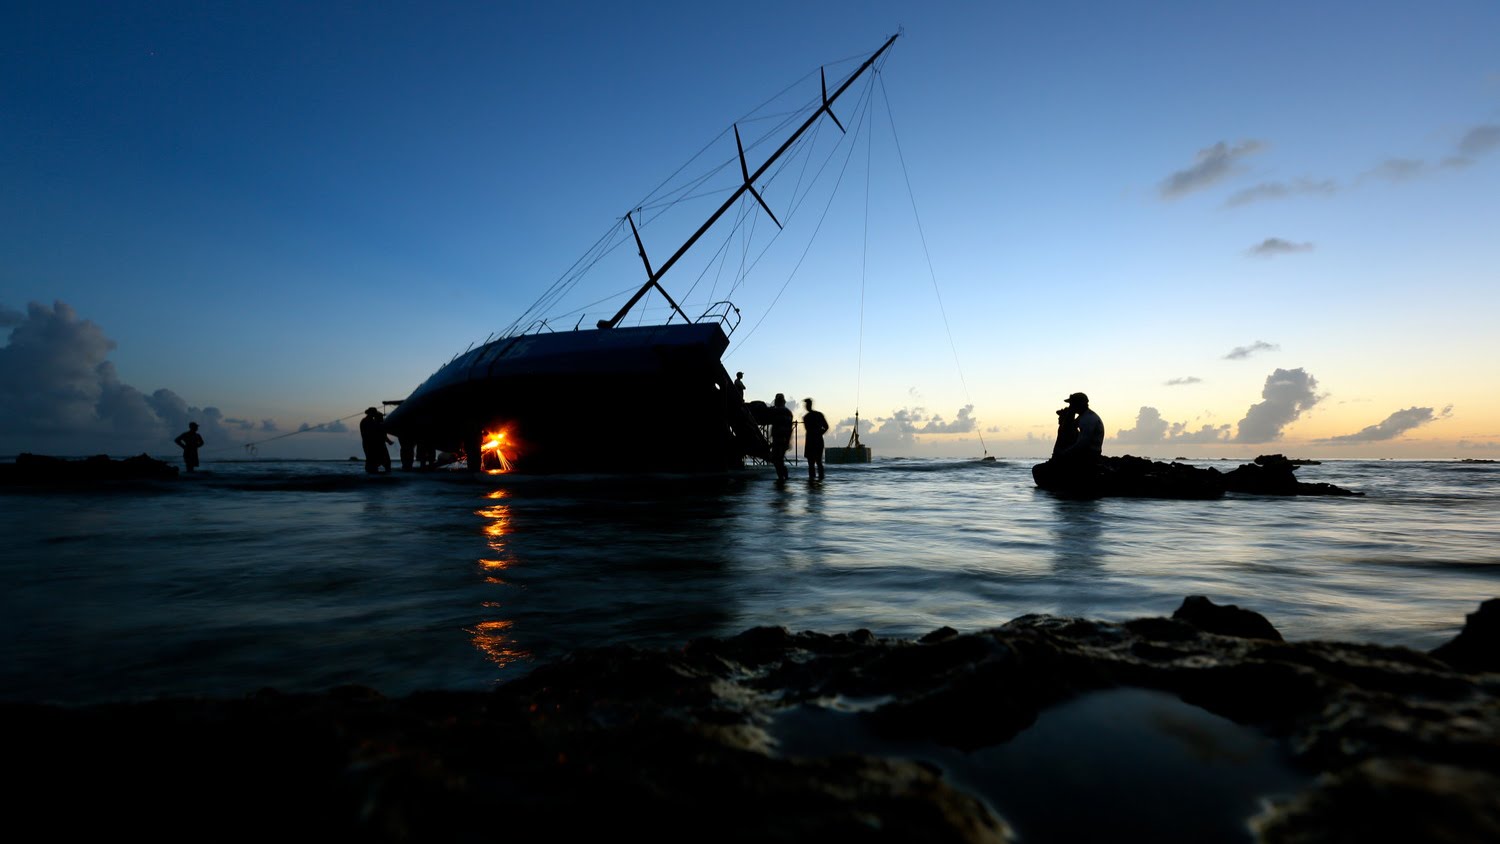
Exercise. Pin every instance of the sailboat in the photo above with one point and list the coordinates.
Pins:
(539, 400)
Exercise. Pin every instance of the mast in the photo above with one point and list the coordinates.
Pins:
(749, 179)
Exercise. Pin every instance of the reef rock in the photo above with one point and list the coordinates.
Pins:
(1138, 477)
(41, 469)
(683, 744)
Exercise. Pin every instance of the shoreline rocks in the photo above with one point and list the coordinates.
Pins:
(1139, 477)
(43, 470)
(678, 745)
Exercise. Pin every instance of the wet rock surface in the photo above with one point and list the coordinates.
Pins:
(37, 469)
(1128, 476)
(676, 745)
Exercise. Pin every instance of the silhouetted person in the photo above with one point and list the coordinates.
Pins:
(816, 425)
(190, 441)
(1090, 440)
(408, 452)
(781, 435)
(1067, 430)
(426, 456)
(739, 387)
(372, 435)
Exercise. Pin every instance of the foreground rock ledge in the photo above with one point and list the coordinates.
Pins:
(672, 745)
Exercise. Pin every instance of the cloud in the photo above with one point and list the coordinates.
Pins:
(1281, 190)
(963, 424)
(1242, 352)
(62, 394)
(1397, 170)
(904, 426)
(335, 427)
(1272, 246)
(1480, 140)
(1179, 433)
(1394, 425)
(1151, 428)
(1180, 382)
(1287, 395)
(1211, 166)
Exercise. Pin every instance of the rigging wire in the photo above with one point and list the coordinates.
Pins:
(864, 263)
(659, 199)
(253, 447)
(932, 273)
(832, 194)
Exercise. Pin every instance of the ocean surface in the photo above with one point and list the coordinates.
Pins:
(303, 576)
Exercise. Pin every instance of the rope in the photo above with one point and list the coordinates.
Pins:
(252, 447)
(932, 273)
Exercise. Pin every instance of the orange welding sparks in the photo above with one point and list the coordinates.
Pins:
(496, 443)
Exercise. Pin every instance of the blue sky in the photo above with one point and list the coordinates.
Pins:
(287, 212)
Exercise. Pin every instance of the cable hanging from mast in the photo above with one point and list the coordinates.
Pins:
(932, 273)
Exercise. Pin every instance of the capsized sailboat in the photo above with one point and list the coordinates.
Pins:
(581, 400)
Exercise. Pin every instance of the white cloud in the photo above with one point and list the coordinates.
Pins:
(1394, 425)
(1184, 381)
(62, 395)
(1151, 428)
(1288, 394)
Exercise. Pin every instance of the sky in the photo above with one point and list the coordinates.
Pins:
(1240, 228)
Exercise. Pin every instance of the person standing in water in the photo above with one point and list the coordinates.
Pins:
(815, 424)
(781, 435)
(377, 445)
(190, 441)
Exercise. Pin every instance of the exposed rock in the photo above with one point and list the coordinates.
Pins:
(1477, 646)
(1272, 474)
(1138, 477)
(41, 469)
(1226, 620)
(679, 745)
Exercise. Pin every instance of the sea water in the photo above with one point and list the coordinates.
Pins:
(303, 576)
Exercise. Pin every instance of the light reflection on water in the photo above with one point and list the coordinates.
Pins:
(308, 575)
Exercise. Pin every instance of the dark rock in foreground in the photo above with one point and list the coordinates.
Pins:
(40, 469)
(620, 743)
(1138, 477)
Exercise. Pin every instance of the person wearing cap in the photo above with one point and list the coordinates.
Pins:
(1090, 442)
(781, 435)
(190, 441)
(372, 435)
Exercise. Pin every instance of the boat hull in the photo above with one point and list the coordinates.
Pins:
(652, 398)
